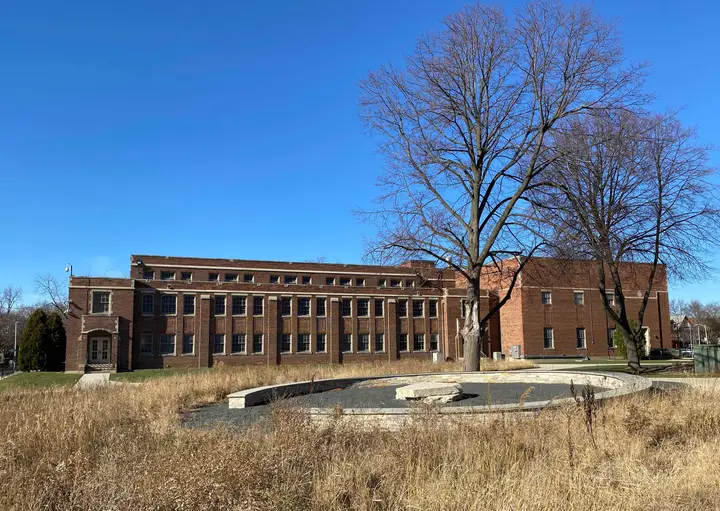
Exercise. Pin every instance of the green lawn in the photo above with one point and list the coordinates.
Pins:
(142, 375)
(38, 379)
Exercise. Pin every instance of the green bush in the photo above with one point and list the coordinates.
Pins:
(619, 341)
(42, 345)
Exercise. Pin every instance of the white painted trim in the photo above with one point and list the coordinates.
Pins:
(284, 270)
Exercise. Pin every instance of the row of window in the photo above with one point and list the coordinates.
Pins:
(168, 306)
(276, 279)
(238, 343)
(580, 339)
(579, 297)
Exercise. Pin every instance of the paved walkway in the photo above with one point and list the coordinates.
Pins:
(90, 380)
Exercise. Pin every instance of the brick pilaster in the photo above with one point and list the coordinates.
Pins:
(333, 339)
(204, 346)
(271, 332)
(391, 330)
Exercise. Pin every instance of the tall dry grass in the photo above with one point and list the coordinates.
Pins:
(121, 447)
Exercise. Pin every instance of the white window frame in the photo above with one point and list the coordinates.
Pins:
(186, 273)
(584, 338)
(232, 306)
(318, 350)
(348, 281)
(215, 306)
(309, 306)
(171, 273)
(430, 304)
(329, 281)
(262, 344)
(92, 302)
(290, 280)
(274, 279)
(194, 300)
(552, 338)
(382, 336)
(582, 297)
(360, 282)
(262, 300)
(306, 280)
(247, 280)
(367, 300)
(309, 343)
(174, 342)
(424, 345)
(422, 304)
(289, 350)
(232, 343)
(231, 277)
(369, 346)
(342, 308)
(381, 301)
(162, 312)
(542, 297)
(324, 299)
(288, 300)
(224, 350)
(142, 305)
(407, 343)
(342, 341)
(182, 348)
(611, 297)
(437, 343)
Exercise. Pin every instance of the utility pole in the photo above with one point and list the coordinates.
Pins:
(15, 353)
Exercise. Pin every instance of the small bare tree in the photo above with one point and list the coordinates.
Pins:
(631, 189)
(9, 299)
(53, 292)
(466, 126)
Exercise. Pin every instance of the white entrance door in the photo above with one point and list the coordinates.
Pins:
(99, 350)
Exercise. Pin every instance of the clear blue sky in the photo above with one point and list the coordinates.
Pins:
(231, 128)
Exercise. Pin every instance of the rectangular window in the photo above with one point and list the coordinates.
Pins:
(580, 338)
(548, 341)
(188, 305)
(101, 302)
(303, 306)
(167, 275)
(433, 308)
(213, 277)
(320, 304)
(402, 308)
(168, 304)
(394, 283)
(402, 342)
(167, 344)
(379, 307)
(330, 281)
(290, 279)
(611, 337)
(320, 345)
(239, 305)
(219, 344)
(463, 303)
(274, 279)
(363, 306)
(419, 342)
(257, 305)
(188, 346)
(610, 297)
(146, 344)
(363, 342)
(434, 345)
(579, 298)
(149, 275)
(285, 306)
(546, 297)
(219, 305)
(307, 280)
(186, 275)
(418, 308)
(248, 277)
(344, 281)
(148, 303)
(231, 277)
(409, 283)
(346, 307)
(346, 346)
(303, 343)
(258, 343)
(360, 282)
(285, 343)
(238, 343)
(382, 282)
(379, 342)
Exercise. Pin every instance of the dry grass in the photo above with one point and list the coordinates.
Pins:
(121, 447)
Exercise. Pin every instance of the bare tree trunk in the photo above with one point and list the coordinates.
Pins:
(471, 331)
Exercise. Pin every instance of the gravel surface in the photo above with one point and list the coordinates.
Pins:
(357, 396)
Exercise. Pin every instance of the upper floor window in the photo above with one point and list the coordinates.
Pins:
(168, 304)
(320, 305)
(167, 275)
(344, 281)
(248, 277)
(379, 307)
(274, 279)
(188, 305)
(290, 279)
(148, 303)
(382, 283)
(303, 306)
(579, 297)
(610, 297)
(418, 308)
(231, 277)
(363, 306)
(258, 305)
(285, 306)
(346, 305)
(101, 302)
(213, 276)
(186, 275)
(402, 308)
(239, 304)
(219, 305)
(546, 297)
(433, 308)
(360, 282)
(307, 279)
(394, 283)
(409, 283)
(148, 275)
(330, 281)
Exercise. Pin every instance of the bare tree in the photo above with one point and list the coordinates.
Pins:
(631, 189)
(9, 299)
(466, 126)
(53, 292)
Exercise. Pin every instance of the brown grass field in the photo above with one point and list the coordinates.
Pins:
(121, 447)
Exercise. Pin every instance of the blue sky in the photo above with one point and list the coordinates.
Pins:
(231, 129)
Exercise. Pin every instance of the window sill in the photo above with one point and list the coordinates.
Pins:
(169, 315)
(189, 315)
(168, 355)
(239, 315)
(187, 354)
(238, 353)
(148, 314)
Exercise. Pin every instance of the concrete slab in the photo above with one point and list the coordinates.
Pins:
(92, 380)
(430, 391)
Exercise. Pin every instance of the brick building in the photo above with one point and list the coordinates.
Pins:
(189, 312)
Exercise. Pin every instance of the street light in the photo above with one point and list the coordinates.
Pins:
(698, 327)
(68, 268)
